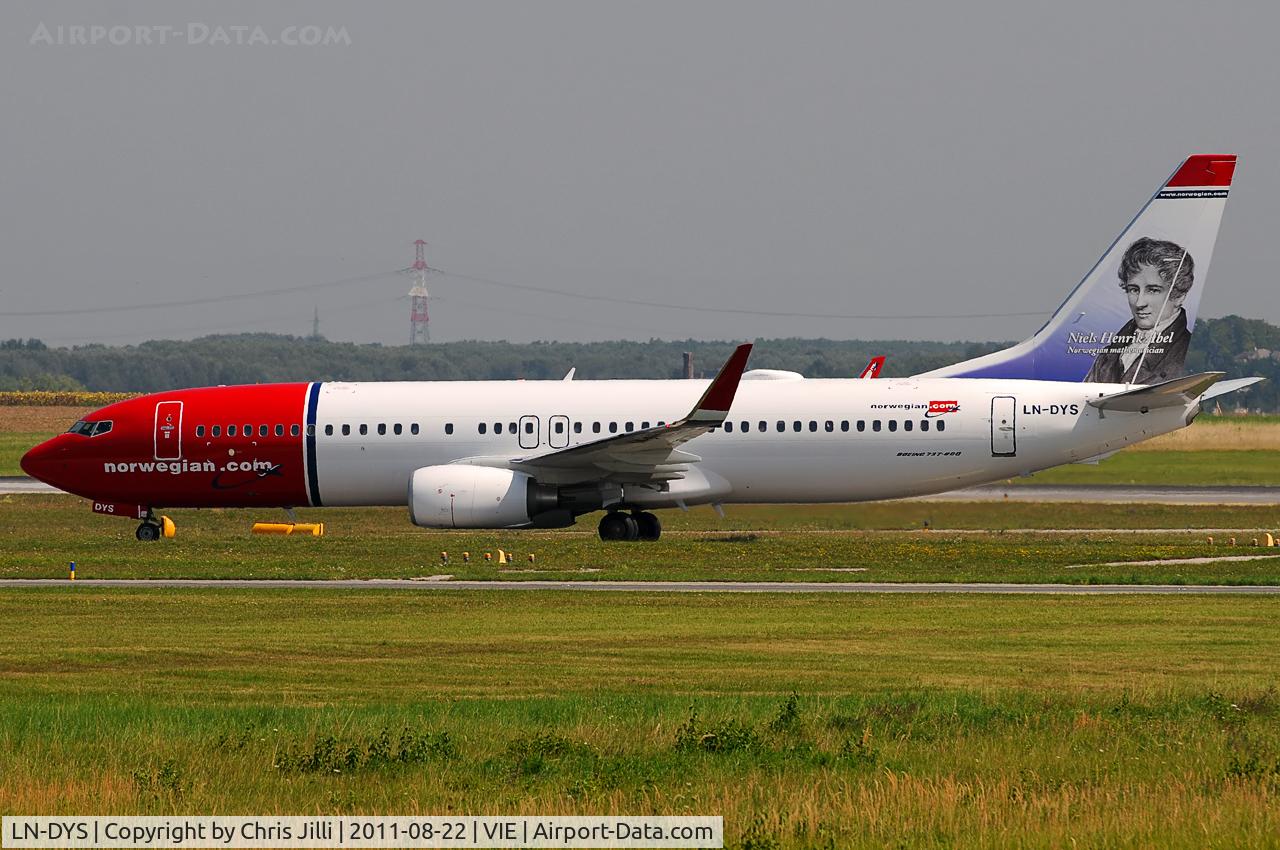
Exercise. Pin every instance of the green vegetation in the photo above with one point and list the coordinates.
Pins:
(39, 535)
(805, 721)
(1233, 345)
(1189, 468)
(261, 358)
(13, 447)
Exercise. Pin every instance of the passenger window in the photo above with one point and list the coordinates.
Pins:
(644, 426)
(217, 430)
(862, 424)
(382, 429)
(295, 430)
(813, 425)
(262, 430)
(328, 430)
(413, 429)
(924, 424)
(397, 429)
(528, 427)
(844, 425)
(364, 429)
(796, 425)
(199, 430)
(744, 426)
(311, 430)
(782, 426)
(511, 426)
(613, 427)
(595, 427)
(875, 424)
(893, 424)
(279, 430)
(630, 427)
(231, 430)
(831, 426)
(661, 423)
(728, 427)
(763, 426)
(942, 425)
(448, 427)
(559, 426)
(497, 427)
(906, 425)
(577, 427)
(346, 430)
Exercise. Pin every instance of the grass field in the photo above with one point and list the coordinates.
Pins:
(1228, 467)
(39, 535)
(915, 722)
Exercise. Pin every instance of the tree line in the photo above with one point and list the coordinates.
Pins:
(1232, 344)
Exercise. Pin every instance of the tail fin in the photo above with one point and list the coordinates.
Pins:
(1130, 320)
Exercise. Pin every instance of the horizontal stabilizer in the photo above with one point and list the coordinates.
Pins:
(1224, 387)
(1176, 393)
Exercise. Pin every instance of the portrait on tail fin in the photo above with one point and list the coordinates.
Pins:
(1140, 333)
(1155, 276)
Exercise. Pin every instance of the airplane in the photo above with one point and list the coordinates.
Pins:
(1104, 372)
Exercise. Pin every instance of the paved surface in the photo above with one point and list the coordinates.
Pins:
(1099, 493)
(1111, 494)
(22, 484)
(440, 583)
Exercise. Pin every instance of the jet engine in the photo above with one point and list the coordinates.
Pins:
(464, 496)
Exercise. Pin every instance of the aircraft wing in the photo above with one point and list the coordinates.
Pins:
(651, 454)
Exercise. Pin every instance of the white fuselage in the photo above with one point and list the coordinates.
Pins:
(934, 434)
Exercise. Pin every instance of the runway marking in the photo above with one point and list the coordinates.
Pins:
(655, 586)
(1173, 562)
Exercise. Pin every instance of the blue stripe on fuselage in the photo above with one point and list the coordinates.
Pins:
(313, 471)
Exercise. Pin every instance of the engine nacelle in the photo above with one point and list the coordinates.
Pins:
(464, 496)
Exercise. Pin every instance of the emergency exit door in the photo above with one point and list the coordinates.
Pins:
(168, 431)
(1004, 435)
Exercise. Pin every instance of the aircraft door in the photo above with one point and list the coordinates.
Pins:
(1004, 438)
(529, 432)
(168, 430)
(558, 432)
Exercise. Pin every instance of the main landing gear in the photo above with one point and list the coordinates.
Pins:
(638, 525)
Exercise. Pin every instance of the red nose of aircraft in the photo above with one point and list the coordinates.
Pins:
(47, 462)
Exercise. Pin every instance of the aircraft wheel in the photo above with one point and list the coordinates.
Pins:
(633, 528)
(613, 526)
(147, 532)
(650, 526)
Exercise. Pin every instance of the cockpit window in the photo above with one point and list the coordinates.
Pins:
(90, 429)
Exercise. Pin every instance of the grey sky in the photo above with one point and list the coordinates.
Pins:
(827, 158)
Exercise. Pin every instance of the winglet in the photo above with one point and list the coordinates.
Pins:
(874, 365)
(715, 402)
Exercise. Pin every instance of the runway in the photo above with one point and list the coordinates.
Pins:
(1094, 493)
(1150, 494)
(14, 484)
(441, 584)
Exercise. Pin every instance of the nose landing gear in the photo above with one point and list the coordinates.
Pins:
(639, 525)
(153, 528)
